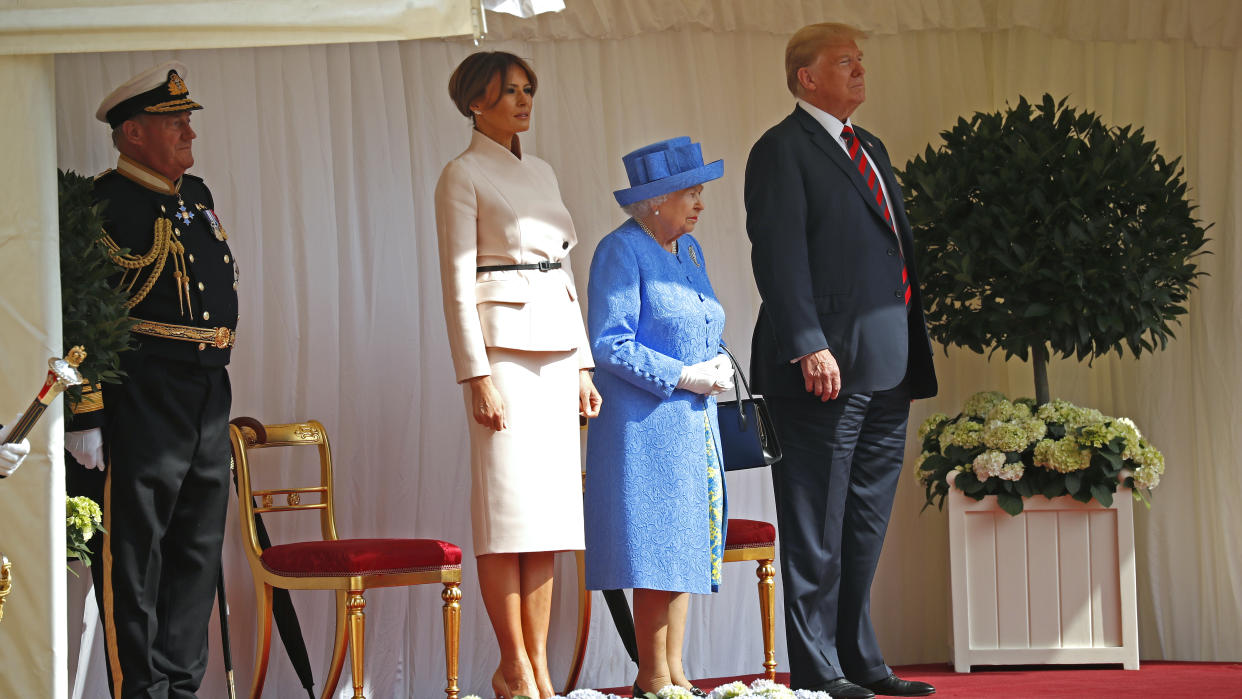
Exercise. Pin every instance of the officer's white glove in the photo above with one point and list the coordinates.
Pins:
(86, 447)
(11, 455)
(704, 378)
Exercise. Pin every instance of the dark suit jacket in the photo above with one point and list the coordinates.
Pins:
(827, 266)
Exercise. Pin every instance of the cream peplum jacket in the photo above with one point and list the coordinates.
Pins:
(495, 208)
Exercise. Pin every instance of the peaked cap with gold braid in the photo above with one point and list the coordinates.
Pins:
(158, 90)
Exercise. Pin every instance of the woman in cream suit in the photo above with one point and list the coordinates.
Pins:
(521, 354)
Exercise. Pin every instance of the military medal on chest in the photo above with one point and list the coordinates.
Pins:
(217, 229)
(183, 214)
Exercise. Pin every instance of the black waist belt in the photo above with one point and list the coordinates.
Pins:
(541, 266)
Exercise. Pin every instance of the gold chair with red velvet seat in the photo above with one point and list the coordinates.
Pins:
(754, 540)
(348, 566)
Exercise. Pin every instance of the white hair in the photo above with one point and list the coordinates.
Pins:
(643, 208)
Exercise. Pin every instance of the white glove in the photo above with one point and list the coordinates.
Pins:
(86, 447)
(705, 378)
(11, 455)
(725, 369)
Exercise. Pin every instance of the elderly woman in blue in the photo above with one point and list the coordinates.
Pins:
(654, 501)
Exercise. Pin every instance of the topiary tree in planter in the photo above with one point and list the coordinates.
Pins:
(1041, 230)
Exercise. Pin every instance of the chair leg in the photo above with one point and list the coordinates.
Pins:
(357, 639)
(767, 615)
(584, 625)
(452, 634)
(263, 640)
(338, 649)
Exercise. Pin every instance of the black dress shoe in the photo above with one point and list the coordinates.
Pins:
(842, 688)
(636, 692)
(894, 686)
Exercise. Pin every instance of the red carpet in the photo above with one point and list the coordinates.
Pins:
(1153, 679)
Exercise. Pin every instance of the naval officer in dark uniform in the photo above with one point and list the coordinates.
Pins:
(159, 439)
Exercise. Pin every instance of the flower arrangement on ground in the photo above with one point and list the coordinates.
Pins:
(82, 519)
(1016, 450)
(759, 689)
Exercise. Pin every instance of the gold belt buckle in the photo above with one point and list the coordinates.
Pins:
(223, 338)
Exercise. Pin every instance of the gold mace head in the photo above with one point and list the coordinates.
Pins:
(76, 355)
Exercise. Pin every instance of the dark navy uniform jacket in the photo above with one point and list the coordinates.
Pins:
(138, 204)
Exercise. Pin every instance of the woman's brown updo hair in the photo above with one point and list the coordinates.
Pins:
(470, 79)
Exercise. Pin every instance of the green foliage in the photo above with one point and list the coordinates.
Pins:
(1043, 227)
(94, 313)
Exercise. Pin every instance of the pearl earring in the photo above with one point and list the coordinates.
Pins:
(477, 111)
(657, 212)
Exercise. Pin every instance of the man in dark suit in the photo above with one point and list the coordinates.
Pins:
(840, 349)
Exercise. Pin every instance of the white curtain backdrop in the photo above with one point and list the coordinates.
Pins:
(323, 160)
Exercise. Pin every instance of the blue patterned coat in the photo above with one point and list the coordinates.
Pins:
(648, 453)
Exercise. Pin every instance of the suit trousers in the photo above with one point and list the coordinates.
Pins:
(165, 500)
(834, 493)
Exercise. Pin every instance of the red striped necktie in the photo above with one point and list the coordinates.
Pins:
(873, 181)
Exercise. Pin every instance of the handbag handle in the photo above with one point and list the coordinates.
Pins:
(737, 372)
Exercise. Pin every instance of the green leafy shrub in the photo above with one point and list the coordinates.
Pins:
(93, 312)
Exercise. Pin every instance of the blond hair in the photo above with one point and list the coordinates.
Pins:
(807, 43)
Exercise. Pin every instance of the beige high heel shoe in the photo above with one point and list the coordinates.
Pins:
(499, 687)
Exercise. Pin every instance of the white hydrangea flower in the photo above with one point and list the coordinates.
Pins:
(1130, 423)
(966, 434)
(770, 690)
(1095, 435)
(930, 424)
(982, 403)
(1011, 471)
(1004, 411)
(1150, 465)
(1146, 477)
(1062, 455)
(730, 691)
(1068, 414)
(988, 464)
(1005, 436)
(1035, 429)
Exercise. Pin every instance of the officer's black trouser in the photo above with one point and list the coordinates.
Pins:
(165, 499)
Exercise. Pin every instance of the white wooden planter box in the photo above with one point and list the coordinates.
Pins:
(1054, 585)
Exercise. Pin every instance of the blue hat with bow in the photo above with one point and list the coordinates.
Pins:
(664, 167)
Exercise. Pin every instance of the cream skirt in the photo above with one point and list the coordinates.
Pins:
(526, 481)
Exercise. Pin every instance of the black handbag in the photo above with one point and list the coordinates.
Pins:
(747, 437)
